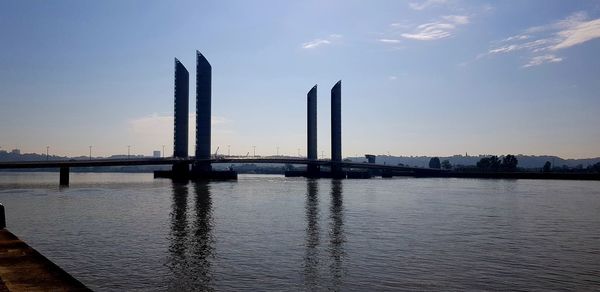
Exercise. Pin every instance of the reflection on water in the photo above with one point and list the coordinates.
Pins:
(313, 273)
(203, 241)
(191, 244)
(179, 231)
(311, 257)
(336, 234)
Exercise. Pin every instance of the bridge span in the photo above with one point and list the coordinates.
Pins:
(190, 160)
(65, 165)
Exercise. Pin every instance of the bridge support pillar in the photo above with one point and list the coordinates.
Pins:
(336, 129)
(64, 175)
(312, 170)
(180, 171)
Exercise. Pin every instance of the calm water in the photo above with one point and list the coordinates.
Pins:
(117, 232)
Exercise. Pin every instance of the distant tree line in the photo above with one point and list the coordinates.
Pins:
(434, 162)
(494, 163)
(508, 163)
(579, 168)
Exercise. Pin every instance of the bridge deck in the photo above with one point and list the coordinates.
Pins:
(170, 161)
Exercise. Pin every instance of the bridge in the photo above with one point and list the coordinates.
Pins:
(202, 161)
(191, 160)
(65, 165)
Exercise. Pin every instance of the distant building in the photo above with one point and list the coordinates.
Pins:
(156, 154)
(370, 158)
(16, 151)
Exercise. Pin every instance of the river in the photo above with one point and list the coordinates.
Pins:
(130, 232)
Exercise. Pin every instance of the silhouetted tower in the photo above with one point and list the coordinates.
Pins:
(336, 126)
(203, 96)
(181, 118)
(311, 126)
(182, 100)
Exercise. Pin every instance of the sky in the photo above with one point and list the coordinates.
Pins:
(419, 77)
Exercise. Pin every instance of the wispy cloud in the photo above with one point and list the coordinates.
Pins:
(539, 60)
(579, 34)
(440, 29)
(457, 19)
(313, 44)
(164, 123)
(544, 41)
(389, 41)
(400, 25)
(154, 130)
(426, 4)
(392, 77)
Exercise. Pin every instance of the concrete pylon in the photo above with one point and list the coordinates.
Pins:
(311, 130)
(336, 128)
(181, 117)
(203, 112)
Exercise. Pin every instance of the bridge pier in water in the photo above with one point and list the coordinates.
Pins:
(312, 170)
(64, 176)
(336, 130)
(201, 167)
(181, 119)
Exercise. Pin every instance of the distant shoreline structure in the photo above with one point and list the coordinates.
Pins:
(525, 161)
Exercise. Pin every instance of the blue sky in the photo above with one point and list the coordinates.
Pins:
(422, 77)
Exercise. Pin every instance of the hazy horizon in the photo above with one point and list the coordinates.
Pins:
(419, 78)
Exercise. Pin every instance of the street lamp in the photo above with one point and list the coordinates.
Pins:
(163, 151)
(299, 152)
(277, 150)
(254, 151)
(128, 150)
(228, 150)
(90, 152)
(47, 151)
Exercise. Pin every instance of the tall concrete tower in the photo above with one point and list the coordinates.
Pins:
(311, 129)
(336, 126)
(182, 100)
(203, 112)
(181, 118)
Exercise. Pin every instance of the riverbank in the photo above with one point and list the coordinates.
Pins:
(514, 175)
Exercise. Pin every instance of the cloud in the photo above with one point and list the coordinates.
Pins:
(149, 132)
(389, 41)
(579, 34)
(164, 123)
(539, 60)
(458, 19)
(315, 43)
(515, 38)
(426, 4)
(400, 25)
(540, 41)
(321, 42)
(152, 124)
(392, 77)
(534, 46)
(440, 29)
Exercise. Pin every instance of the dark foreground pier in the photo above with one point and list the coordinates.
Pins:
(22, 268)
